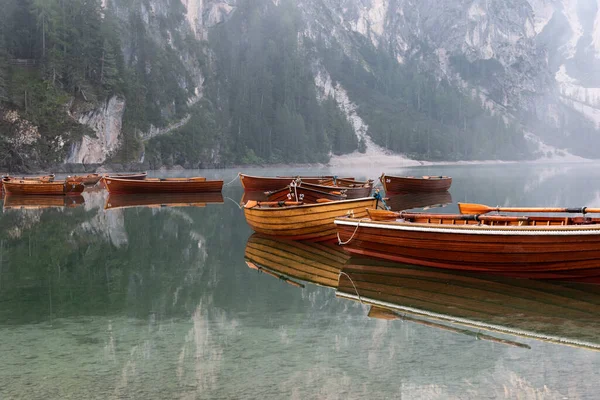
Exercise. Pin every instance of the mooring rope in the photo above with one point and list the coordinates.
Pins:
(355, 289)
(233, 180)
(351, 237)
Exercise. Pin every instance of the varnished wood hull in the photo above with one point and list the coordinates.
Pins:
(541, 250)
(287, 259)
(407, 201)
(548, 310)
(313, 222)
(305, 194)
(268, 184)
(13, 201)
(134, 175)
(409, 184)
(158, 200)
(131, 186)
(87, 180)
(28, 187)
(350, 192)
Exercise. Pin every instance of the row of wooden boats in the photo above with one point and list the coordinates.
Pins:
(558, 312)
(480, 238)
(115, 183)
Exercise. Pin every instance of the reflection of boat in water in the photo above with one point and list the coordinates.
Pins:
(162, 200)
(407, 201)
(41, 201)
(559, 312)
(287, 260)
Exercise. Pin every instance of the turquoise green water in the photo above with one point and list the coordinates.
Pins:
(156, 303)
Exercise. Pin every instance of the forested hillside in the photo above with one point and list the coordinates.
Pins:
(243, 93)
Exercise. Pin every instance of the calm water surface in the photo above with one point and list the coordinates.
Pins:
(157, 303)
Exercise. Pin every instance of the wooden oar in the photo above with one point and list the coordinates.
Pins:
(384, 215)
(472, 208)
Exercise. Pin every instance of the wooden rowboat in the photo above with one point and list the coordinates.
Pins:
(305, 194)
(564, 313)
(41, 178)
(158, 200)
(15, 201)
(157, 185)
(133, 175)
(406, 201)
(90, 179)
(313, 222)
(288, 260)
(267, 184)
(351, 192)
(33, 187)
(543, 247)
(410, 184)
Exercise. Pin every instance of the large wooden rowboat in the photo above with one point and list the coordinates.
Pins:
(410, 184)
(289, 260)
(158, 200)
(41, 178)
(156, 185)
(547, 247)
(33, 187)
(558, 312)
(32, 201)
(266, 184)
(313, 222)
(90, 179)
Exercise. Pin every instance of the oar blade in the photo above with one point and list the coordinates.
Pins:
(473, 208)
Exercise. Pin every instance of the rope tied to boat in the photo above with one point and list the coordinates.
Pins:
(379, 198)
(351, 237)
(233, 180)
(294, 185)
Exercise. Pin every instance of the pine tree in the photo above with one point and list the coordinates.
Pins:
(109, 74)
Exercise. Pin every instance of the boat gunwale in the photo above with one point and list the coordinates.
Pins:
(474, 229)
(304, 206)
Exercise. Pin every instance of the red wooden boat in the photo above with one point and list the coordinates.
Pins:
(410, 184)
(296, 221)
(159, 185)
(32, 201)
(267, 184)
(304, 194)
(42, 178)
(133, 175)
(90, 179)
(36, 187)
(159, 200)
(406, 201)
(354, 192)
(545, 247)
(558, 312)
(289, 260)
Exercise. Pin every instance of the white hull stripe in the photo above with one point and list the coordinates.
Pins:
(475, 229)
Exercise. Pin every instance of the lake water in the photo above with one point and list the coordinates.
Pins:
(157, 303)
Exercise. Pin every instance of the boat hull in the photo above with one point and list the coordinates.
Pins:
(87, 180)
(305, 194)
(268, 184)
(183, 185)
(539, 250)
(350, 192)
(409, 184)
(312, 222)
(28, 187)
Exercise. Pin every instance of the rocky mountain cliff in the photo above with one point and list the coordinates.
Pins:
(209, 82)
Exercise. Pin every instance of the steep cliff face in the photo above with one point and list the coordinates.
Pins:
(536, 61)
(106, 122)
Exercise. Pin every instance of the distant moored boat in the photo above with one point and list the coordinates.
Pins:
(411, 184)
